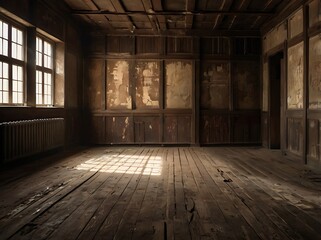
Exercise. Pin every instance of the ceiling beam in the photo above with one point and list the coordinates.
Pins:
(179, 32)
(169, 13)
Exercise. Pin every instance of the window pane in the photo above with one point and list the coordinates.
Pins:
(17, 84)
(14, 50)
(14, 97)
(19, 76)
(19, 52)
(20, 97)
(5, 85)
(5, 70)
(5, 48)
(17, 44)
(39, 59)
(39, 45)
(19, 39)
(14, 72)
(14, 85)
(47, 49)
(20, 87)
(45, 61)
(14, 34)
(5, 31)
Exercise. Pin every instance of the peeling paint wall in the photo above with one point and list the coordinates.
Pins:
(315, 72)
(179, 76)
(295, 77)
(147, 84)
(118, 95)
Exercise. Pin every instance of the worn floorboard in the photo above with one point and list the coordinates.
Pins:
(161, 193)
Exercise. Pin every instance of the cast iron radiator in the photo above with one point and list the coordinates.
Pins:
(25, 138)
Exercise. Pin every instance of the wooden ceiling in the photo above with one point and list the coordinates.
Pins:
(179, 16)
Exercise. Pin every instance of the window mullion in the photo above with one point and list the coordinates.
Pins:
(42, 71)
(10, 63)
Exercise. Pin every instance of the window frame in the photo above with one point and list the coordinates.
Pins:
(44, 70)
(14, 61)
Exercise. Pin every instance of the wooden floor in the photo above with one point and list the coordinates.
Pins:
(161, 193)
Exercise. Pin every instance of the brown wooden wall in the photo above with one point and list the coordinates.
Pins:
(296, 35)
(51, 18)
(173, 90)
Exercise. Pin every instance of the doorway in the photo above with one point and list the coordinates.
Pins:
(275, 75)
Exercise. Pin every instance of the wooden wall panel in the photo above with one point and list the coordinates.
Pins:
(315, 72)
(215, 79)
(96, 73)
(118, 85)
(313, 139)
(120, 44)
(247, 46)
(119, 129)
(97, 129)
(149, 95)
(180, 45)
(49, 20)
(314, 13)
(275, 37)
(265, 86)
(215, 46)
(265, 130)
(179, 76)
(215, 129)
(147, 129)
(149, 45)
(147, 75)
(246, 85)
(246, 128)
(295, 135)
(96, 45)
(295, 77)
(296, 24)
(177, 129)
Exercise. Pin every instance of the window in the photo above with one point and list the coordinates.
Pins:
(44, 71)
(11, 64)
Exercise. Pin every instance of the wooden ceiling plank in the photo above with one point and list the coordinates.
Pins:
(91, 5)
(99, 20)
(152, 19)
(243, 7)
(268, 3)
(119, 9)
(226, 5)
(157, 6)
(104, 5)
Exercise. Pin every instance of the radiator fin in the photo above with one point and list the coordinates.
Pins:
(25, 138)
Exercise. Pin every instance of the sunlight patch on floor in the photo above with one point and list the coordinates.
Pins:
(129, 164)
